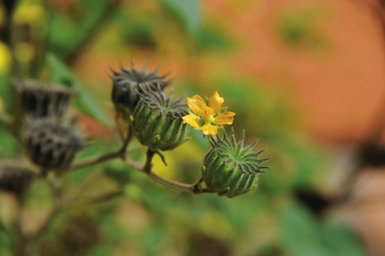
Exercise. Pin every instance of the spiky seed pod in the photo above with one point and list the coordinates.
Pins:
(229, 168)
(43, 100)
(125, 83)
(157, 120)
(51, 144)
(15, 179)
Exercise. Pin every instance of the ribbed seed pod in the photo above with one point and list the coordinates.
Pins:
(157, 120)
(15, 179)
(229, 168)
(51, 144)
(43, 100)
(125, 83)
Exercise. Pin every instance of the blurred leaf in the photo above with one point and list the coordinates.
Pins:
(65, 35)
(5, 241)
(299, 232)
(188, 12)
(298, 26)
(340, 241)
(9, 146)
(6, 91)
(212, 38)
(152, 241)
(137, 30)
(84, 99)
(62, 43)
(118, 171)
(302, 234)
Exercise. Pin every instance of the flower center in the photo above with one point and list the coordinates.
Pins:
(210, 119)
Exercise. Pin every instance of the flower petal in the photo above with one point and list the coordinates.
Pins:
(209, 129)
(215, 102)
(192, 120)
(225, 118)
(196, 104)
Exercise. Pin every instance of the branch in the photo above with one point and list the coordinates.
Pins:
(147, 169)
(96, 160)
(120, 153)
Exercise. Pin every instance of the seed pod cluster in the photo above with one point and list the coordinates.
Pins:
(40, 100)
(49, 138)
(229, 168)
(126, 82)
(15, 179)
(51, 144)
(157, 120)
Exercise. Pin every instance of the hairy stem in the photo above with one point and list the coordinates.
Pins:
(147, 169)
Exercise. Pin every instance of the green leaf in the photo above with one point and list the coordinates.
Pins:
(299, 232)
(188, 12)
(66, 34)
(340, 240)
(6, 91)
(5, 241)
(302, 234)
(9, 146)
(212, 38)
(84, 100)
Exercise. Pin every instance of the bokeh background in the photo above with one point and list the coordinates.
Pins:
(305, 77)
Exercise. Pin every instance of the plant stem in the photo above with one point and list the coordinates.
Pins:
(96, 160)
(120, 153)
(147, 169)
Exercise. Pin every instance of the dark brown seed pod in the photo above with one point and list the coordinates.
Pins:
(51, 144)
(41, 100)
(157, 120)
(15, 179)
(126, 82)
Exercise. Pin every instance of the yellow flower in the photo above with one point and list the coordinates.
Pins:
(207, 117)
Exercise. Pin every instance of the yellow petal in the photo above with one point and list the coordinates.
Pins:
(209, 129)
(196, 104)
(215, 102)
(191, 120)
(225, 118)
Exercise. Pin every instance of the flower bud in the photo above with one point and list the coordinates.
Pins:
(51, 144)
(125, 84)
(157, 120)
(43, 101)
(15, 179)
(229, 168)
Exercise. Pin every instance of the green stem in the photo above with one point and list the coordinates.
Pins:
(120, 153)
(147, 169)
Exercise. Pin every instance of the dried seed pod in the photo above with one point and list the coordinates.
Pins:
(51, 144)
(15, 179)
(229, 168)
(157, 120)
(43, 100)
(125, 84)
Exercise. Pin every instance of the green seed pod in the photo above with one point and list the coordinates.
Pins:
(229, 168)
(125, 84)
(15, 179)
(157, 120)
(40, 100)
(51, 144)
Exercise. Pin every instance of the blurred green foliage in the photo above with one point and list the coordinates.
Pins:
(299, 26)
(187, 12)
(149, 219)
(85, 101)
